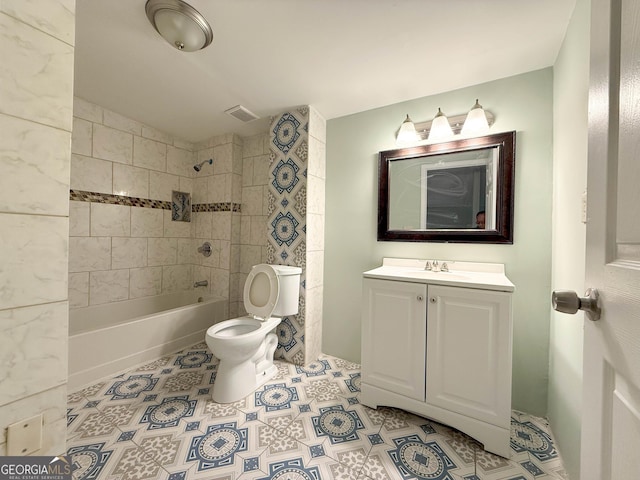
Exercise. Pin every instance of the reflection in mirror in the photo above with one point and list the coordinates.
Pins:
(460, 191)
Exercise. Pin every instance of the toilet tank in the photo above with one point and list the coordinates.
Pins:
(289, 281)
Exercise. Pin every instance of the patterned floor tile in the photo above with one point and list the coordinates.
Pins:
(158, 421)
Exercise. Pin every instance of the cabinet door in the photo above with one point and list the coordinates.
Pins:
(394, 336)
(469, 352)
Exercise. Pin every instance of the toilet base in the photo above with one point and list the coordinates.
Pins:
(235, 381)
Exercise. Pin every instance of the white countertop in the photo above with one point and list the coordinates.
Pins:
(485, 276)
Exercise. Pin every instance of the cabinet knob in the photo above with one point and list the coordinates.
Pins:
(433, 300)
(420, 298)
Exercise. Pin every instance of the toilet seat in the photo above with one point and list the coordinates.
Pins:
(257, 301)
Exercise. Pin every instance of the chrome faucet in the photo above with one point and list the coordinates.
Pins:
(444, 267)
(435, 266)
(428, 266)
(201, 283)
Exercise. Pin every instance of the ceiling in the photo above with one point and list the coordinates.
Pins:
(341, 56)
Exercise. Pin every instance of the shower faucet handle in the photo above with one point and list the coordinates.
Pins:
(205, 249)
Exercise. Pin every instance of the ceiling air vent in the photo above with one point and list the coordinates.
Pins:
(241, 113)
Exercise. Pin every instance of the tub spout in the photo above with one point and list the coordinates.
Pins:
(201, 283)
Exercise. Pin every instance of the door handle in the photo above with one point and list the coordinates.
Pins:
(567, 301)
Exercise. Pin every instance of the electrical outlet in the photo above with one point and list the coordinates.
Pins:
(25, 437)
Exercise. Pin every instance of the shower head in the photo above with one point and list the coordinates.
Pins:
(199, 165)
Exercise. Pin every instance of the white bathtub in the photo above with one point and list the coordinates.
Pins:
(106, 339)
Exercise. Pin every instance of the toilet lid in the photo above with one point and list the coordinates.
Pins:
(261, 291)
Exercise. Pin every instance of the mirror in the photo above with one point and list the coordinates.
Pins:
(458, 191)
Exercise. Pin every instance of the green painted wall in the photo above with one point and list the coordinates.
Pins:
(523, 103)
(571, 90)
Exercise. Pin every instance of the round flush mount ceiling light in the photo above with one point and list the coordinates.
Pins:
(179, 24)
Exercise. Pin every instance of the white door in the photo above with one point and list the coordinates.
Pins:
(611, 403)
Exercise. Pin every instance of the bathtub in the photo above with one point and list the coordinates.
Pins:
(107, 339)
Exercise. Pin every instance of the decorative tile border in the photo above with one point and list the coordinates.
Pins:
(95, 197)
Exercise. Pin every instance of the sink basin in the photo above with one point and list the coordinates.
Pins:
(471, 275)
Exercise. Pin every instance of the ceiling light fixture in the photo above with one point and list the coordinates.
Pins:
(181, 25)
(476, 122)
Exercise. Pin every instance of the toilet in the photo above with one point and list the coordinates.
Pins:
(244, 345)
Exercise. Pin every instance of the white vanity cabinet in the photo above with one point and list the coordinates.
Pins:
(439, 344)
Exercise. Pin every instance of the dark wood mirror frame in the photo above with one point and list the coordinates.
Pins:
(503, 232)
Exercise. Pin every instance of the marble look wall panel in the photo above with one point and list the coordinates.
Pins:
(33, 259)
(317, 151)
(33, 350)
(187, 250)
(155, 134)
(108, 286)
(111, 144)
(52, 403)
(91, 175)
(55, 17)
(315, 195)
(39, 85)
(34, 167)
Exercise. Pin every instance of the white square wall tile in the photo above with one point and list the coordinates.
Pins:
(91, 175)
(33, 255)
(37, 75)
(108, 286)
(128, 252)
(218, 189)
(34, 168)
(147, 222)
(155, 134)
(149, 154)
(110, 220)
(145, 282)
(180, 161)
(161, 185)
(175, 228)
(162, 251)
(111, 144)
(89, 253)
(33, 340)
(130, 181)
(81, 137)
(120, 122)
(187, 250)
(79, 219)
(87, 110)
(177, 278)
(78, 290)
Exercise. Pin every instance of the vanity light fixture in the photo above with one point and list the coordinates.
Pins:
(181, 25)
(407, 132)
(476, 122)
(440, 127)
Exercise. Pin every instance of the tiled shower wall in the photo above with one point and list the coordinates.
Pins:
(123, 243)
